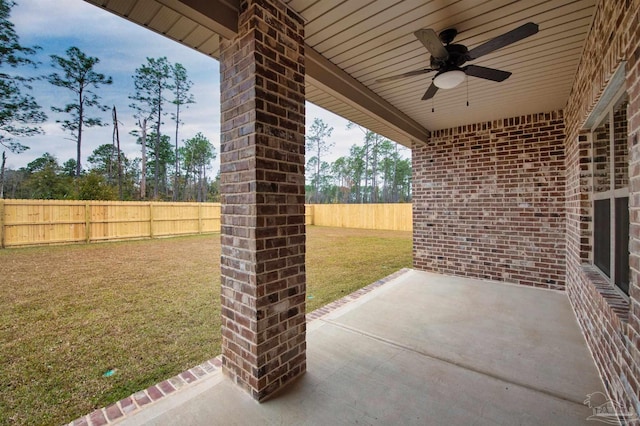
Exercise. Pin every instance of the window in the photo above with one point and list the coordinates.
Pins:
(611, 194)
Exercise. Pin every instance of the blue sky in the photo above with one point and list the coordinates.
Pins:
(122, 47)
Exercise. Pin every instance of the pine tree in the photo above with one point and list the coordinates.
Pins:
(19, 112)
(78, 76)
(152, 82)
(182, 97)
(198, 154)
(318, 147)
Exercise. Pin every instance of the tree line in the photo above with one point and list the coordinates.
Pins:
(112, 177)
(166, 170)
(374, 172)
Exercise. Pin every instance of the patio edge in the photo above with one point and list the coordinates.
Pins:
(128, 406)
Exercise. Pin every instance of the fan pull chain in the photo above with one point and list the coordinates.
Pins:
(433, 109)
(467, 90)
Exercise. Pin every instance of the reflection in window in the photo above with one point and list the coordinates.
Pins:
(611, 196)
(601, 162)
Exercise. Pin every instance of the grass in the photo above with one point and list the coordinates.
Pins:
(146, 309)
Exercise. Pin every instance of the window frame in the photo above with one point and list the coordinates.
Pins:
(607, 114)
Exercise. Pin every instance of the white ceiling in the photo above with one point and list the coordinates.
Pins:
(372, 39)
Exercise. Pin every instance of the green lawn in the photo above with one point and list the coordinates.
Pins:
(146, 309)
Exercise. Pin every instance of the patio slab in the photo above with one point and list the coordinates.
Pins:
(421, 349)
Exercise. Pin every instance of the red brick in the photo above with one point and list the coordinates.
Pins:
(166, 387)
(127, 405)
(154, 393)
(97, 418)
(474, 189)
(262, 176)
(188, 377)
(113, 412)
(601, 311)
(141, 398)
(81, 422)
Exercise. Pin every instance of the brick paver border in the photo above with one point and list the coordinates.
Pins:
(129, 405)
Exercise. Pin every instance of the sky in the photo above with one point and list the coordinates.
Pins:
(122, 47)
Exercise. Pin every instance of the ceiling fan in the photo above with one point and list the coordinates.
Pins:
(447, 58)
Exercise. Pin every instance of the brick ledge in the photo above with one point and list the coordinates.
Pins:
(618, 304)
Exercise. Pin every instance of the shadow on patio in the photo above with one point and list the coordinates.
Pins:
(421, 348)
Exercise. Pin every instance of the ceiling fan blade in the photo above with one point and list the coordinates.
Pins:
(432, 42)
(486, 73)
(431, 92)
(505, 39)
(406, 74)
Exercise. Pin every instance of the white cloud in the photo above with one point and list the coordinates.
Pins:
(122, 47)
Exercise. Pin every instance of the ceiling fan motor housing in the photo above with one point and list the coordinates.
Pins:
(447, 36)
(458, 55)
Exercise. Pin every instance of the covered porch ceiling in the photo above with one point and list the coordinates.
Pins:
(352, 44)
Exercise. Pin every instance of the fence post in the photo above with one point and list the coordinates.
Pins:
(1, 223)
(199, 218)
(150, 220)
(87, 222)
(308, 214)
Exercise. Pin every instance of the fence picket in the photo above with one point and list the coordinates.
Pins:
(1, 223)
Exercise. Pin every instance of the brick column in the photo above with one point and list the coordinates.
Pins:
(262, 185)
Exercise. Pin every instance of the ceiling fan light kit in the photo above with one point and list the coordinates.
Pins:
(448, 58)
(449, 79)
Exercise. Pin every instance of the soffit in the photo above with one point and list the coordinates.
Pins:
(373, 39)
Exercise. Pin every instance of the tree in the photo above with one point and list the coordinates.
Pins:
(104, 161)
(116, 146)
(46, 160)
(318, 146)
(357, 166)
(152, 81)
(142, 116)
(388, 166)
(402, 180)
(198, 153)
(78, 76)
(181, 96)
(69, 167)
(14, 183)
(370, 159)
(342, 177)
(93, 186)
(321, 180)
(144, 110)
(160, 157)
(374, 141)
(45, 180)
(372, 172)
(19, 112)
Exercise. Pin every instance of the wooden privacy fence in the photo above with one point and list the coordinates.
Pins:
(396, 217)
(37, 222)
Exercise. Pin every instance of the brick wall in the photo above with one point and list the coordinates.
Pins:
(489, 201)
(262, 187)
(608, 320)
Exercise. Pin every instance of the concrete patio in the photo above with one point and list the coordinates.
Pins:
(505, 187)
(420, 349)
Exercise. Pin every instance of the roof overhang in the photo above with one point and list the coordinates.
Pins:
(350, 46)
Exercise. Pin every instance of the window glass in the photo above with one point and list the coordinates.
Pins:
(601, 161)
(621, 150)
(602, 235)
(622, 243)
